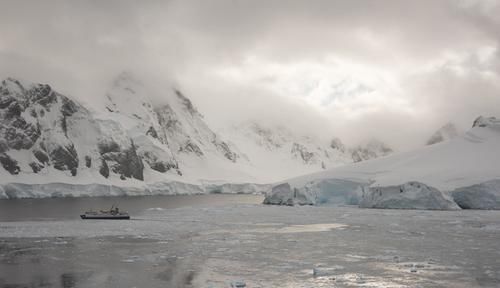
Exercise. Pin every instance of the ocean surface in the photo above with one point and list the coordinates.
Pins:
(233, 240)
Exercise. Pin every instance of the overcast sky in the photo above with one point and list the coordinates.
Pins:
(395, 70)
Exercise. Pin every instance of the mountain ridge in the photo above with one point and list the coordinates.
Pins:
(49, 137)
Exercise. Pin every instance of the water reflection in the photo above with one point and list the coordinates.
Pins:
(71, 208)
(40, 263)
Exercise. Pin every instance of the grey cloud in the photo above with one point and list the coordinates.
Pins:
(80, 45)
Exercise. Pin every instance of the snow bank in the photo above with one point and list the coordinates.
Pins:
(19, 190)
(481, 196)
(411, 195)
(468, 159)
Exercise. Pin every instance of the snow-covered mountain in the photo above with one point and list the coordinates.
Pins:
(370, 150)
(278, 150)
(48, 137)
(445, 133)
(467, 167)
(136, 140)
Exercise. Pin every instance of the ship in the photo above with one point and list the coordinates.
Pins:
(112, 214)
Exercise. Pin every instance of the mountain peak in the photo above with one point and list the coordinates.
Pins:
(482, 121)
(446, 132)
(186, 103)
(126, 79)
(372, 149)
(129, 96)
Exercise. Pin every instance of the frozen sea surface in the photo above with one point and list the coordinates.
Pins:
(257, 246)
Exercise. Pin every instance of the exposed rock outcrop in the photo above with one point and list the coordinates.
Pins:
(482, 121)
(9, 164)
(371, 150)
(447, 132)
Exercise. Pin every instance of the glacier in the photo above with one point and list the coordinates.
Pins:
(137, 144)
(411, 195)
(463, 170)
(480, 196)
(22, 190)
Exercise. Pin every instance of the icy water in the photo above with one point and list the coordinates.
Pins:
(224, 240)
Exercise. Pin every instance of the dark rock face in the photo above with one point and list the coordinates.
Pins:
(108, 147)
(482, 121)
(9, 164)
(167, 119)
(22, 131)
(191, 147)
(131, 164)
(337, 144)
(68, 107)
(162, 166)
(104, 170)
(13, 110)
(65, 158)
(226, 151)
(187, 103)
(88, 161)
(36, 167)
(3, 146)
(5, 99)
(41, 156)
(156, 164)
(151, 131)
(193, 136)
(42, 94)
(371, 150)
(126, 162)
(301, 152)
(20, 135)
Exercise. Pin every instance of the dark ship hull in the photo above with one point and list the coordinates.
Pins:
(104, 217)
(112, 214)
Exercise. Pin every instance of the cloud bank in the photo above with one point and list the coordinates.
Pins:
(395, 70)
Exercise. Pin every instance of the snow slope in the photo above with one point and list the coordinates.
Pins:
(283, 153)
(469, 159)
(47, 137)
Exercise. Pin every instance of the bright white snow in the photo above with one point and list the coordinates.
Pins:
(466, 160)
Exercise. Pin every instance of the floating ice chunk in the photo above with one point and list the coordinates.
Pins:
(326, 271)
(128, 260)
(311, 228)
(238, 284)
(156, 209)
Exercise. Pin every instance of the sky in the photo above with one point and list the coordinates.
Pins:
(392, 70)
